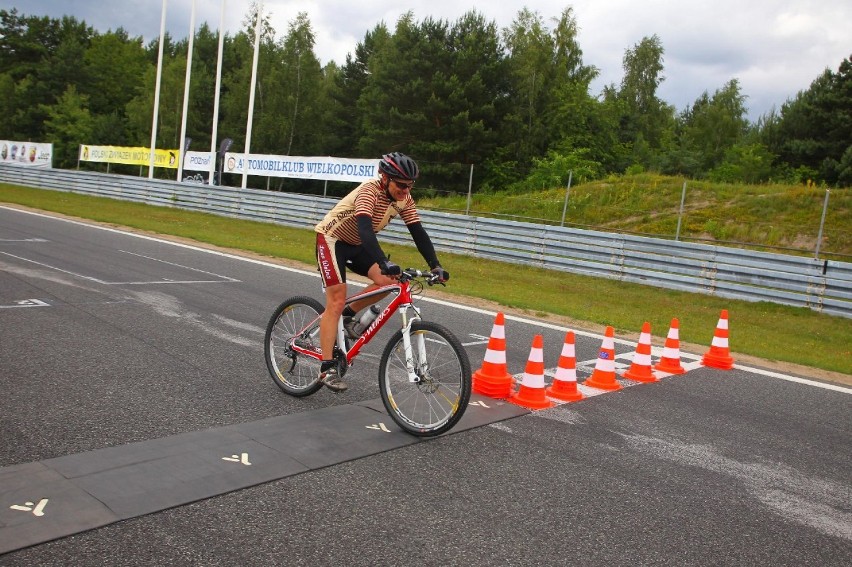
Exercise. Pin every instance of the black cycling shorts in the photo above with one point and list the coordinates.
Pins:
(335, 256)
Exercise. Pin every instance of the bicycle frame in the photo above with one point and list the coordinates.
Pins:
(402, 302)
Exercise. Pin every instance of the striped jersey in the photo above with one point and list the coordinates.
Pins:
(371, 199)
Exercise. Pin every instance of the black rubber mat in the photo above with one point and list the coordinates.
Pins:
(39, 504)
(58, 497)
(482, 410)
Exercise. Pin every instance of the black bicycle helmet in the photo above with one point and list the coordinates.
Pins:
(399, 166)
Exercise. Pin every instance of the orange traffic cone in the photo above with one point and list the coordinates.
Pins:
(670, 361)
(564, 386)
(640, 369)
(603, 376)
(492, 379)
(531, 393)
(719, 356)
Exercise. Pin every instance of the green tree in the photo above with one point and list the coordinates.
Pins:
(844, 168)
(140, 109)
(434, 90)
(115, 64)
(530, 67)
(578, 120)
(477, 96)
(464, 93)
(10, 110)
(393, 102)
(301, 85)
(27, 42)
(710, 128)
(42, 56)
(236, 81)
(815, 129)
(557, 168)
(199, 124)
(347, 86)
(171, 102)
(69, 124)
(645, 121)
(744, 163)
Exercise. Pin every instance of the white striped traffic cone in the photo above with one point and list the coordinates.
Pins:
(603, 376)
(719, 355)
(564, 386)
(531, 393)
(670, 361)
(493, 379)
(640, 369)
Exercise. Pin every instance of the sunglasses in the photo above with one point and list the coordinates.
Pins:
(402, 185)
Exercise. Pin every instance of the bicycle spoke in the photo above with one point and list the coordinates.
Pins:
(436, 401)
(295, 373)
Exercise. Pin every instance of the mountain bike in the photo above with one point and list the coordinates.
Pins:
(424, 371)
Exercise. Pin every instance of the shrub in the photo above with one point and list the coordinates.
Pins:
(555, 170)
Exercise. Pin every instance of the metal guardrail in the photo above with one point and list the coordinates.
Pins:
(821, 285)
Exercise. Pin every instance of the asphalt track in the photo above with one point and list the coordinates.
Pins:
(139, 426)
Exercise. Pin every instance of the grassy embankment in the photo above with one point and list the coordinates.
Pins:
(785, 216)
(765, 330)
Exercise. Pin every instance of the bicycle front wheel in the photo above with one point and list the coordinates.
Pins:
(295, 320)
(437, 397)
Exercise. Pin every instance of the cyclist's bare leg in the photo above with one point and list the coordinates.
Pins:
(379, 279)
(335, 298)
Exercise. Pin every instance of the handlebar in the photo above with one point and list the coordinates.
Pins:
(409, 274)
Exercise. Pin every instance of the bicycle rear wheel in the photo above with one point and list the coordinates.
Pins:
(437, 400)
(297, 374)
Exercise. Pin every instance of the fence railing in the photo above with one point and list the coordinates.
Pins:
(821, 285)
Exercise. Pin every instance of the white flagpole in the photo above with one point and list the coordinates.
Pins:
(213, 145)
(181, 140)
(251, 93)
(157, 92)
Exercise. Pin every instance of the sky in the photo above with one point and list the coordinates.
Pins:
(775, 48)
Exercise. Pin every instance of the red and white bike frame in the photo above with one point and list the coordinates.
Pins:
(402, 302)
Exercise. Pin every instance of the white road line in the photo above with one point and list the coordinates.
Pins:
(104, 282)
(53, 268)
(26, 303)
(796, 379)
(180, 266)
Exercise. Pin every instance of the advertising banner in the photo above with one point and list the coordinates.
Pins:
(197, 161)
(328, 168)
(30, 154)
(129, 156)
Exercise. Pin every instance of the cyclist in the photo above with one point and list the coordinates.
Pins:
(346, 238)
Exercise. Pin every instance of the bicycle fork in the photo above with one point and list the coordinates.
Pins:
(409, 346)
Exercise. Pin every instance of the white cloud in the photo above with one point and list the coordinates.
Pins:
(795, 24)
(774, 47)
